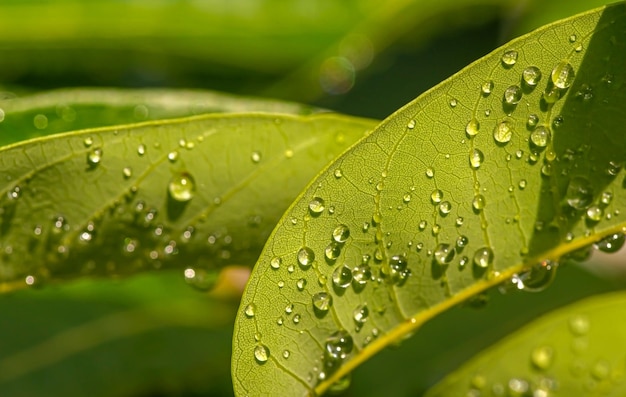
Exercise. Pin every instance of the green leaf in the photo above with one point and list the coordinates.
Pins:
(490, 176)
(65, 110)
(574, 351)
(198, 193)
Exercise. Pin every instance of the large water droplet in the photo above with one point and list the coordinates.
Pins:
(537, 278)
(478, 203)
(436, 196)
(445, 208)
(322, 301)
(512, 95)
(261, 354)
(594, 213)
(476, 158)
(316, 206)
(341, 233)
(483, 257)
(338, 346)
(531, 76)
(540, 137)
(306, 256)
(611, 243)
(562, 75)
(579, 193)
(342, 276)
(509, 58)
(503, 131)
(444, 254)
(332, 251)
(182, 187)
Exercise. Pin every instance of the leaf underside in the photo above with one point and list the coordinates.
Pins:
(199, 192)
(487, 174)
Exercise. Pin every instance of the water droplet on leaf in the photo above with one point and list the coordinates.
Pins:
(261, 354)
(182, 187)
(444, 254)
(316, 206)
(306, 257)
(540, 137)
(322, 301)
(483, 257)
(502, 132)
(342, 276)
(476, 158)
(562, 75)
(509, 58)
(512, 95)
(531, 76)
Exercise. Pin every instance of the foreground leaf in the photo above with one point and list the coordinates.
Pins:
(574, 351)
(65, 110)
(504, 168)
(197, 192)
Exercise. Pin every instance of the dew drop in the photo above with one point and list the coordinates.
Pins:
(459, 221)
(94, 157)
(430, 172)
(141, 149)
(611, 243)
(127, 172)
(338, 346)
(541, 357)
(88, 141)
(255, 157)
(476, 158)
(594, 213)
(532, 120)
(579, 193)
(362, 273)
(445, 208)
(613, 168)
(406, 198)
(332, 251)
(301, 284)
(261, 354)
(40, 121)
(250, 310)
(562, 75)
(478, 203)
(483, 257)
(503, 131)
(462, 241)
(551, 95)
(453, 102)
(182, 187)
(444, 254)
(342, 276)
(512, 95)
(531, 76)
(275, 263)
(579, 325)
(316, 206)
(436, 196)
(322, 301)
(341, 233)
(472, 127)
(360, 314)
(537, 278)
(411, 124)
(306, 257)
(487, 87)
(540, 137)
(509, 58)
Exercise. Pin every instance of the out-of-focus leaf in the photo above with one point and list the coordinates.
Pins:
(196, 193)
(65, 110)
(574, 351)
(493, 175)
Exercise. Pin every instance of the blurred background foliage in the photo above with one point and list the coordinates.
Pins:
(152, 335)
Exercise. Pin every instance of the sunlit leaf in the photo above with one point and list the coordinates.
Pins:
(493, 175)
(65, 110)
(574, 351)
(197, 193)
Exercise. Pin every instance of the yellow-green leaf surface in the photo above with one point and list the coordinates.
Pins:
(507, 166)
(196, 193)
(63, 110)
(574, 351)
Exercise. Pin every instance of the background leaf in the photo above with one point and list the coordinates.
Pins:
(198, 193)
(573, 351)
(456, 192)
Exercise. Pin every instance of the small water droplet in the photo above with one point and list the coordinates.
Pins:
(141, 149)
(503, 131)
(611, 243)
(338, 173)
(453, 102)
(296, 319)
(476, 158)
(462, 241)
(406, 198)
(444, 254)
(579, 193)
(532, 120)
(562, 75)
(40, 121)
(341, 233)
(540, 137)
(601, 370)
(594, 213)
(306, 257)
(342, 276)
(316, 206)
(579, 325)
(362, 273)
(436, 196)
(445, 208)
(322, 301)
(509, 58)
(613, 168)
(551, 94)
(459, 221)
(275, 263)
(487, 87)
(301, 284)
(250, 310)
(478, 203)
(411, 124)
(531, 76)
(127, 172)
(255, 157)
(332, 251)
(182, 187)
(94, 157)
(472, 127)
(606, 198)
(430, 172)
(585, 93)
(483, 257)
(88, 142)
(261, 353)
(512, 95)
